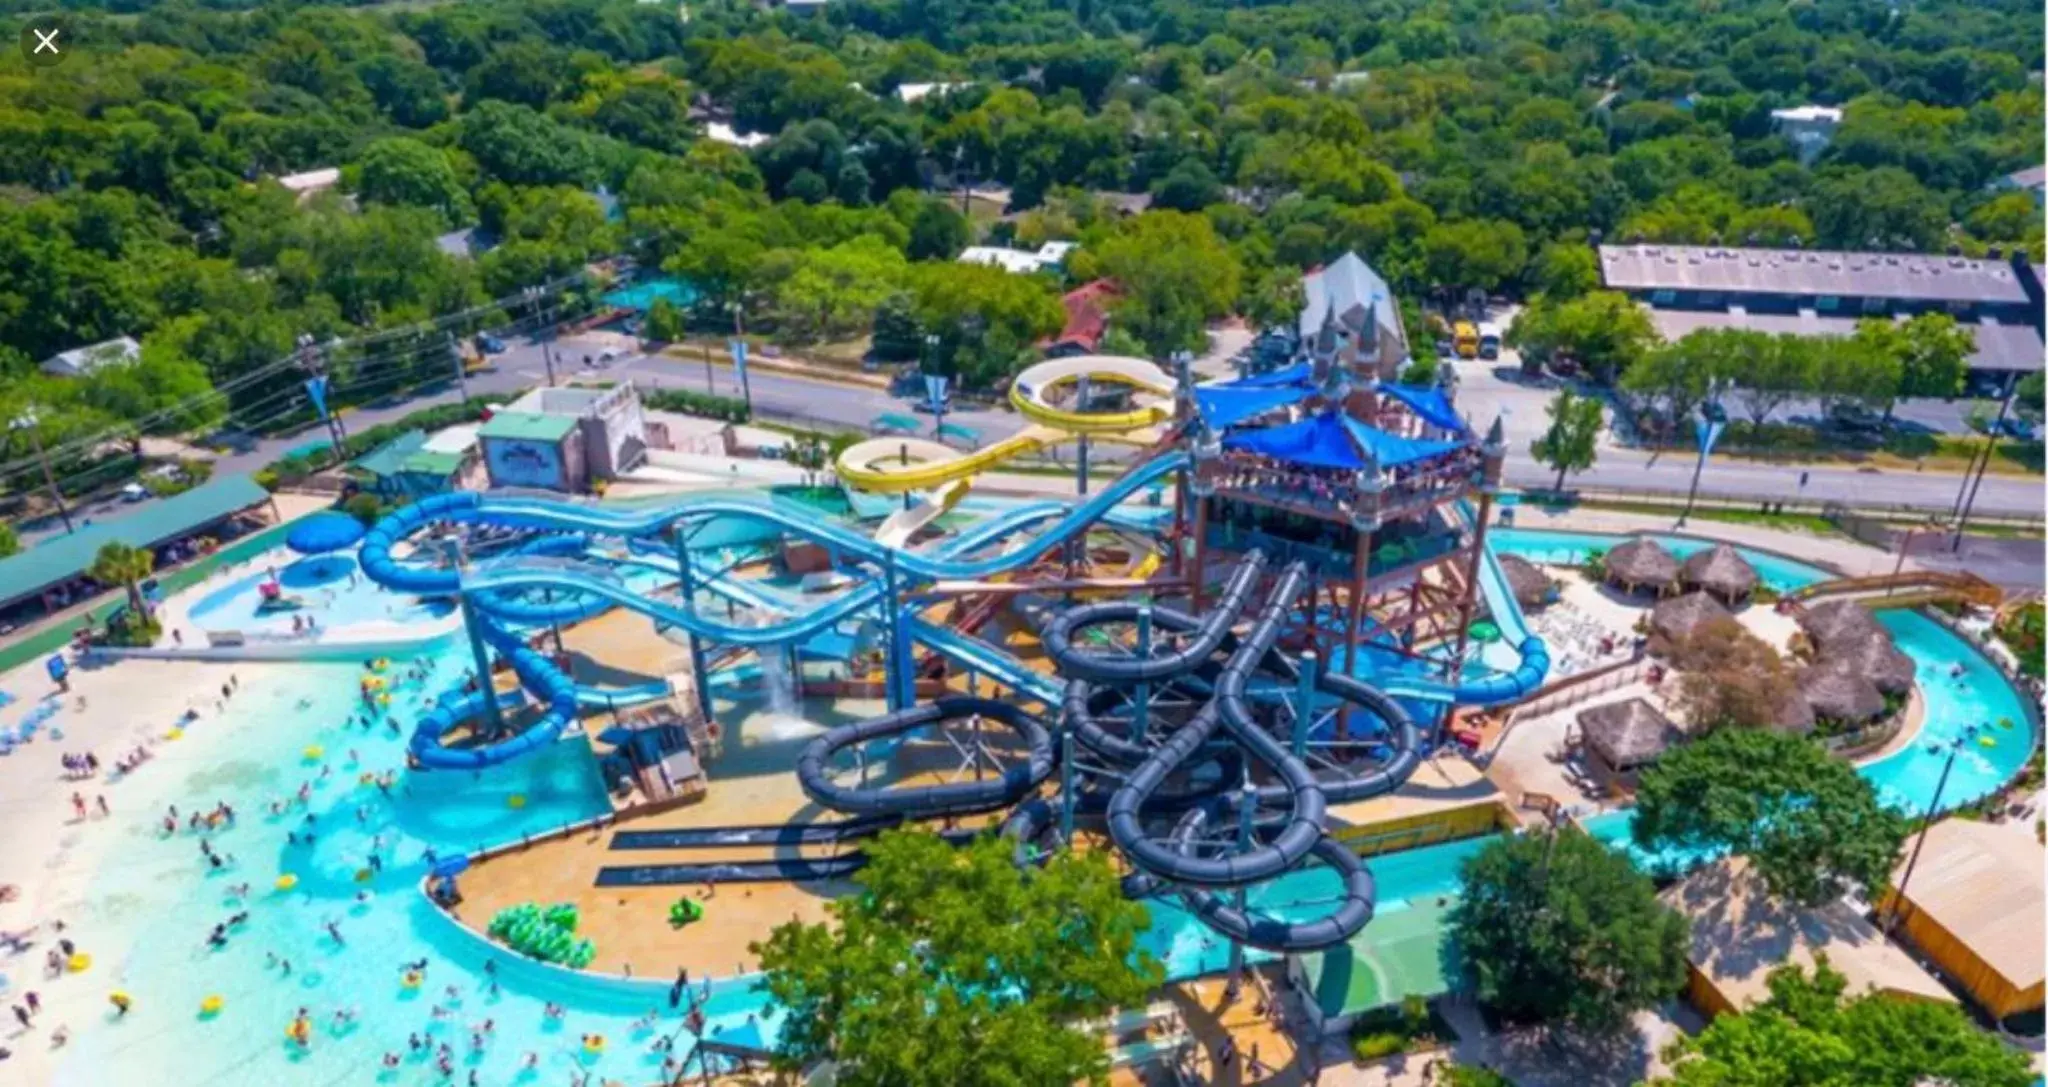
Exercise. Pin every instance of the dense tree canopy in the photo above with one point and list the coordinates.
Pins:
(1812, 827)
(954, 967)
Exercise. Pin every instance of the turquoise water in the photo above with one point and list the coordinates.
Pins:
(1905, 779)
(1188, 948)
(158, 900)
(331, 597)
(644, 294)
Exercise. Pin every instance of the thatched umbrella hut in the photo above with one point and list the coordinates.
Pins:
(1874, 658)
(1794, 715)
(1673, 619)
(1722, 571)
(1837, 694)
(1532, 587)
(1642, 563)
(1839, 622)
(1623, 737)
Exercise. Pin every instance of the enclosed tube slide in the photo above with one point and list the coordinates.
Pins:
(500, 589)
(928, 801)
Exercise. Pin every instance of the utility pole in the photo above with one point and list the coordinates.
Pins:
(1955, 747)
(1713, 418)
(461, 370)
(1969, 503)
(27, 421)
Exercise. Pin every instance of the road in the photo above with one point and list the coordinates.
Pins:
(1482, 393)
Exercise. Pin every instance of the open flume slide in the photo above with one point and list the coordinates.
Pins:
(502, 590)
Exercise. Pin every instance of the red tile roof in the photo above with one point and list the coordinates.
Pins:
(1087, 314)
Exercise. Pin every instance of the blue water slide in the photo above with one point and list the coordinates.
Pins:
(503, 590)
(970, 652)
(1500, 686)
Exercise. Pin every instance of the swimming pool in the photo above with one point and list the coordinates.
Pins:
(335, 599)
(1905, 779)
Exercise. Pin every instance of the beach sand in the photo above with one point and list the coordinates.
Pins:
(50, 854)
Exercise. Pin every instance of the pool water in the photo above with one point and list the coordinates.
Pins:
(1905, 779)
(156, 901)
(1188, 948)
(333, 591)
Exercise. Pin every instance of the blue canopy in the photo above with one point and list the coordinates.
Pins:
(1392, 450)
(1333, 440)
(1319, 441)
(449, 866)
(328, 530)
(1430, 403)
(1227, 405)
(1301, 373)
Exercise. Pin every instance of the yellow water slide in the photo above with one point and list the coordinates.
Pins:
(892, 465)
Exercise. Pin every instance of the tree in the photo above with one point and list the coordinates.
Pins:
(1474, 255)
(1772, 374)
(1566, 270)
(1731, 678)
(954, 966)
(937, 232)
(1604, 331)
(117, 563)
(1811, 826)
(831, 293)
(1189, 186)
(1808, 1033)
(986, 319)
(1175, 274)
(1273, 299)
(1572, 442)
(2028, 397)
(1671, 381)
(665, 322)
(1852, 370)
(399, 170)
(1555, 927)
(1934, 355)
(161, 391)
(10, 541)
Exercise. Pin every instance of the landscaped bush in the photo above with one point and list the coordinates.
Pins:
(1397, 1028)
(702, 405)
(1371, 1047)
(2022, 632)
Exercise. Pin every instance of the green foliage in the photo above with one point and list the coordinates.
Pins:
(956, 968)
(690, 402)
(1811, 826)
(544, 933)
(830, 294)
(1465, 1075)
(1604, 331)
(1373, 1046)
(1571, 442)
(1809, 1033)
(286, 471)
(10, 540)
(365, 507)
(987, 320)
(1557, 928)
(400, 170)
(1175, 275)
(665, 322)
(2023, 630)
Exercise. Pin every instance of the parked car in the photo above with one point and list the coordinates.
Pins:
(134, 492)
(489, 344)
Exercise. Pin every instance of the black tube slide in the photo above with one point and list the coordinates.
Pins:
(927, 801)
(1075, 662)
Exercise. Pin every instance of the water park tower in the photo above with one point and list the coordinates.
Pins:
(1381, 488)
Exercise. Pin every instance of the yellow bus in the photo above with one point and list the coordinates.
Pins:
(1465, 340)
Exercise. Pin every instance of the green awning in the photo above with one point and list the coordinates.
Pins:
(893, 421)
(61, 558)
(386, 459)
(964, 433)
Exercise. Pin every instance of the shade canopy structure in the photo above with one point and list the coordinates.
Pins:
(1628, 734)
(1794, 715)
(1874, 658)
(1642, 563)
(1838, 622)
(324, 532)
(1722, 571)
(1231, 403)
(1531, 586)
(959, 433)
(1333, 440)
(1430, 403)
(893, 421)
(1837, 694)
(1680, 616)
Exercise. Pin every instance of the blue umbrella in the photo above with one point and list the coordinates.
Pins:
(329, 530)
(453, 866)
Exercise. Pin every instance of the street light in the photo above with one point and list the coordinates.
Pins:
(934, 385)
(738, 309)
(1955, 747)
(1712, 418)
(1966, 499)
(28, 422)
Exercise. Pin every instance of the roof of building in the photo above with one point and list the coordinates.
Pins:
(915, 92)
(1641, 561)
(1628, 734)
(84, 360)
(1838, 694)
(721, 132)
(1348, 291)
(1087, 315)
(1740, 934)
(1983, 883)
(1531, 586)
(1874, 658)
(1842, 622)
(1721, 570)
(1998, 346)
(385, 459)
(312, 180)
(1918, 276)
(1681, 615)
(1830, 114)
(528, 426)
(2033, 177)
(1021, 261)
(61, 558)
(460, 438)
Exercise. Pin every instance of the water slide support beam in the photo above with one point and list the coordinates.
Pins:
(1361, 559)
(1196, 575)
(1141, 703)
(1067, 787)
(1468, 604)
(686, 585)
(1247, 802)
(1304, 704)
(452, 547)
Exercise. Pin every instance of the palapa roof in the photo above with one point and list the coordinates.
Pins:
(1721, 570)
(1627, 734)
(1838, 694)
(1530, 585)
(1794, 715)
(1983, 883)
(1740, 934)
(1680, 616)
(1838, 622)
(1874, 658)
(1642, 561)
